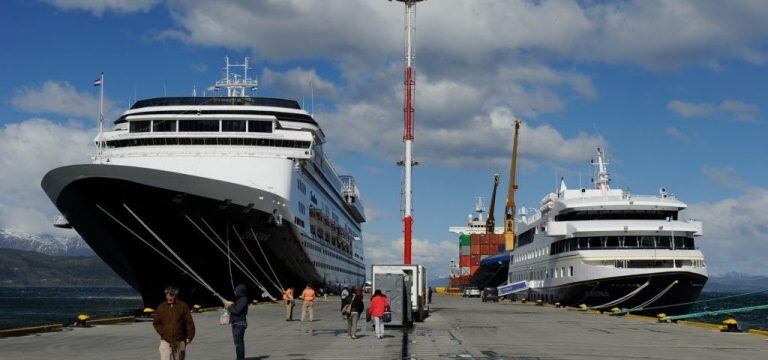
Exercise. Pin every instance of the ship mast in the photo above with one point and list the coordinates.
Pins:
(236, 85)
(407, 163)
(509, 208)
(603, 181)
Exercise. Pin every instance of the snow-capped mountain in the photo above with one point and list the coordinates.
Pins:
(44, 243)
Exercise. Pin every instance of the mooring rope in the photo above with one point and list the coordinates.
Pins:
(237, 261)
(715, 312)
(256, 239)
(256, 262)
(174, 253)
(627, 311)
(183, 270)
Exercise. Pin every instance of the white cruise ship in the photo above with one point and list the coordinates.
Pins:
(207, 192)
(608, 248)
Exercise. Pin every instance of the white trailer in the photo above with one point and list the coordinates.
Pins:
(418, 277)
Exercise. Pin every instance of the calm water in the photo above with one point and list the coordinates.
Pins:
(747, 320)
(29, 305)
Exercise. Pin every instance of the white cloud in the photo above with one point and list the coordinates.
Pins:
(731, 108)
(691, 109)
(741, 110)
(735, 232)
(99, 7)
(295, 83)
(725, 176)
(31, 148)
(654, 34)
(434, 255)
(61, 98)
(675, 133)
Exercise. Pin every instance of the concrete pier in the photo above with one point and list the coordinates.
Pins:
(457, 328)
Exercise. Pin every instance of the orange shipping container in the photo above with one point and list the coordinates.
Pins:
(475, 249)
(464, 261)
(485, 249)
(474, 260)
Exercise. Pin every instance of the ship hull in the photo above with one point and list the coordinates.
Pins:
(212, 226)
(668, 288)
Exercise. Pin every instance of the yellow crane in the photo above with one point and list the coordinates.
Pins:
(509, 208)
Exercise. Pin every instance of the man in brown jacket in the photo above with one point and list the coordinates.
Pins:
(173, 321)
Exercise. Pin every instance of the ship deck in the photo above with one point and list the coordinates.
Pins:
(457, 328)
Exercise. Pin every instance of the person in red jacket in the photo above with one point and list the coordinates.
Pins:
(379, 305)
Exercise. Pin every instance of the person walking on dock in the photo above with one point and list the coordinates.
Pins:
(238, 312)
(289, 303)
(379, 305)
(308, 296)
(173, 322)
(429, 295)
(352, 306)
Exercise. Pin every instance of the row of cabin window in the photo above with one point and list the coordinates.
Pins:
(200, 126)
(622, 242)
(543, 274)
(617, 215)
(332, 254)
(209, 141)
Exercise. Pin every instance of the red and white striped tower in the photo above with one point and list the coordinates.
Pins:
(410, 9)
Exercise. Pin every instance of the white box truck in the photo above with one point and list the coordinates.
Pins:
(418, 280)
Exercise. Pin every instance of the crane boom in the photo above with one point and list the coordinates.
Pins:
(509, 208)
(490, 224)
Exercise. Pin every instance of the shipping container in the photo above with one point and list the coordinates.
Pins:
(485, 249)
(464, 260)
(474, 260)
(464, 240)
(465, 270)
(483, 257)
(464, 250)
(475, 249)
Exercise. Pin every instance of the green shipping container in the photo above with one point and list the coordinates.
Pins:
(464, 240)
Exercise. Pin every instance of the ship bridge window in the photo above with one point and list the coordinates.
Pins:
(622, 242)
(259, 126)
(199, 125)
(616, 215)
(163, 125)
(526, 237)
(233, 125)
(294, 144)
(139, 126)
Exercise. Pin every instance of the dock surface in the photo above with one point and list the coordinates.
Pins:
(458, 328)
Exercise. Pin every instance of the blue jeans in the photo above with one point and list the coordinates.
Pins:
(238, 333)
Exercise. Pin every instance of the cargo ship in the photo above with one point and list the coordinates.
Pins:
(475, 246)
(207, 192)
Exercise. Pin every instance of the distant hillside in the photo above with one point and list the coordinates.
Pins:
(18, 267)
(736, 282)
(44, 243)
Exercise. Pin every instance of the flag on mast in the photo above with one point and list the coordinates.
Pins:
(98, 80)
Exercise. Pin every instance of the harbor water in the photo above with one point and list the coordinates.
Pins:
(22, 306)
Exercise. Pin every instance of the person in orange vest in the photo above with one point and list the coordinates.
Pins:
(308, 296)
(289, 303)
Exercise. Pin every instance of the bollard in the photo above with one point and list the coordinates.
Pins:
(583, 307)
(615, 310)
(539, 303)
(147, 312)
(660, 316)
(196, 308)
(82, 320)
(557, 304)
(730, 325)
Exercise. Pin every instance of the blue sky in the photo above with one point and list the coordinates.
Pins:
(673, 89)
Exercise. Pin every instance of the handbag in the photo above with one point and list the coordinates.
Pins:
(387, 317)
(368, 315)
(224, 318)
(347, 309)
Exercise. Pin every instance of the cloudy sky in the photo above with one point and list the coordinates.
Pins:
(675, 90)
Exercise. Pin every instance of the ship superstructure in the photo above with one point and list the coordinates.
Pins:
(238, 188)
(608, 248)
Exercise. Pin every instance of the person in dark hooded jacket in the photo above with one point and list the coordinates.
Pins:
(237, 318)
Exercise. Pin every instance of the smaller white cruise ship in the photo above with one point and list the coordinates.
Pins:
(608, 248)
